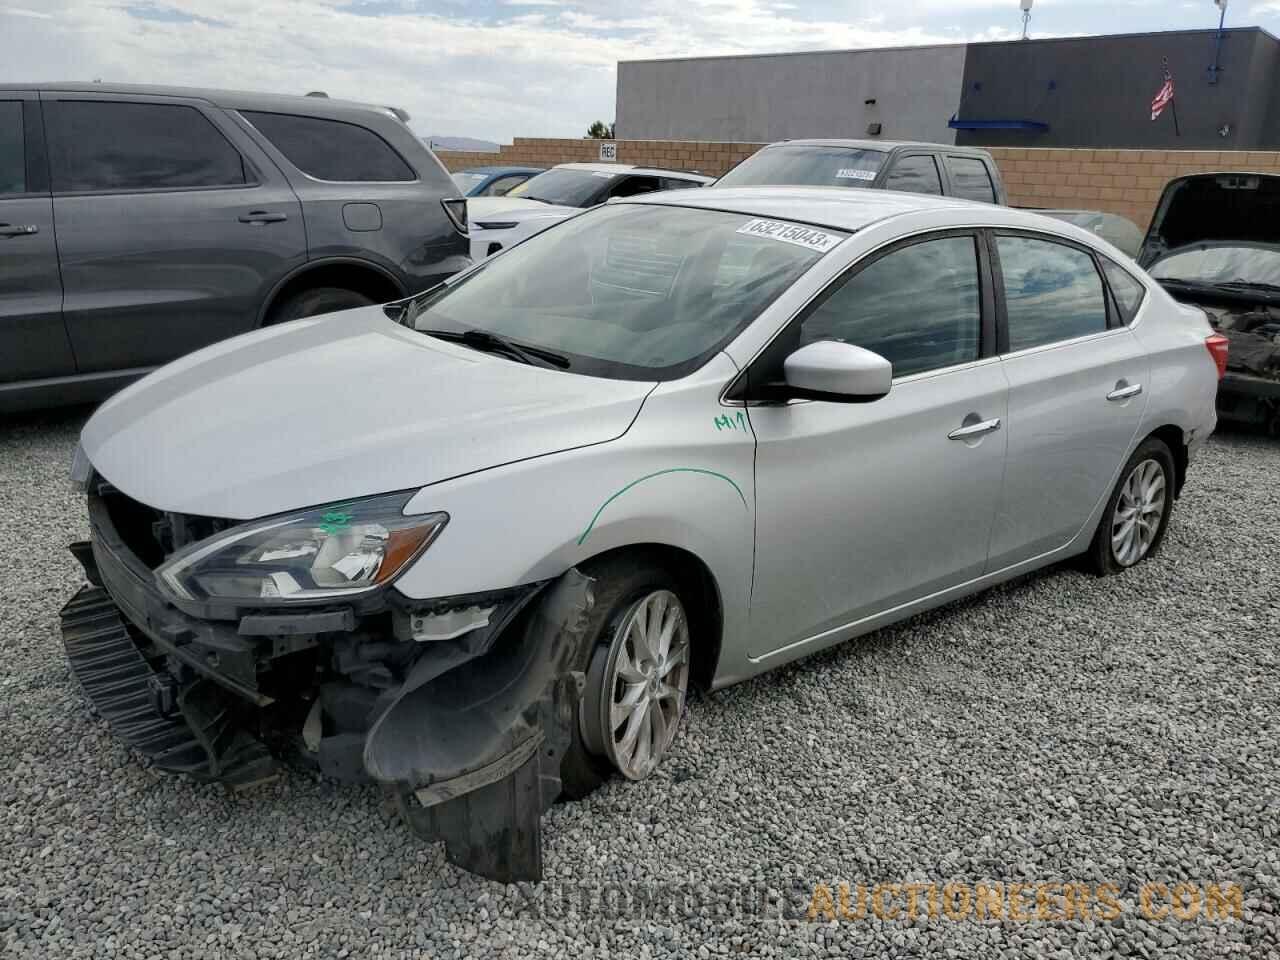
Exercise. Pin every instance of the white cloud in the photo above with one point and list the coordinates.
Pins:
(23, 12)
(484, 68)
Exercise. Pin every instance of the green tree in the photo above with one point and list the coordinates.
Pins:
(600, 131)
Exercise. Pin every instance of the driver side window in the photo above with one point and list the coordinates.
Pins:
(918, 306)
(634, 186)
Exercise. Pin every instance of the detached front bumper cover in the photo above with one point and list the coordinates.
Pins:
(467, 732)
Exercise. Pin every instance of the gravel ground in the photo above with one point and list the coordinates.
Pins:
(1060, 729)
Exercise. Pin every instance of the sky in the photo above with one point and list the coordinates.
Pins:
(494, 69)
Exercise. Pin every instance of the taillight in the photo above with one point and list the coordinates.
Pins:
(1218, 347)
(456, 208)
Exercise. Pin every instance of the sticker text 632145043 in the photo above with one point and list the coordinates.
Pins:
(801, 236)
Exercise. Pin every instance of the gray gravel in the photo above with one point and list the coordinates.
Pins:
(1059, 729)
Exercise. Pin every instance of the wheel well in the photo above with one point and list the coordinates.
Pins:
(1172, 437)
(698, 589)
(365, 280)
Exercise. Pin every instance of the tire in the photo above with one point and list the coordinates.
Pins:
(317, 300)
(622, 584)
(1112, 551)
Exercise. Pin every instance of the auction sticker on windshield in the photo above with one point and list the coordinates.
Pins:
(848, 174)
(791, 233)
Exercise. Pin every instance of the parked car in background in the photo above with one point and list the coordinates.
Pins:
(1214, 242)
(931, 168)
(732, 427)
(493, 181)
(1121, 232)
(562, 191)
(140, 223)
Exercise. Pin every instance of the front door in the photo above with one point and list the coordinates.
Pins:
(862, 507)
(171, 231)
(33, 340)
(1078, 382)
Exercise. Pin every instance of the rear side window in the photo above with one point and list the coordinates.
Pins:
(938, 325)
(1128, 291)
(115, 145)
(13, 151)
(1052, 292)
(332, 149)
(918, 174)
(673, 183)
(970, 179)
(634, 186)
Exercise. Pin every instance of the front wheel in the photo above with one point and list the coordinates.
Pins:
(637, 663)
(1137, 515)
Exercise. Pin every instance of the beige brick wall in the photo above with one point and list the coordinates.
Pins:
(1127, 182)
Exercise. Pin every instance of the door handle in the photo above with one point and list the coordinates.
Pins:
(974, 430)
(263, 216)
(18, 230)
(1124, 393)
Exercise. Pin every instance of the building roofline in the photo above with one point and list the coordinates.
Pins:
(1208, 31)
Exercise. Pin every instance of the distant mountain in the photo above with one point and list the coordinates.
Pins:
(461, 143)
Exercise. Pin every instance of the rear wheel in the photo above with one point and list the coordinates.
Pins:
(636, 659)
(1137, 515)
(317, 300)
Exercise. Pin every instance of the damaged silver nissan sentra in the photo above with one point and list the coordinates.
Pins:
(477, 545)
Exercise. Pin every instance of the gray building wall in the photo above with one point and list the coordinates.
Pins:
(780, 96)
(1097, 91)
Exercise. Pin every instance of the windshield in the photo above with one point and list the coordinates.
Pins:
(1221, 264)
(806, 165)
(569, 188)
(467, 182)
(631, 291)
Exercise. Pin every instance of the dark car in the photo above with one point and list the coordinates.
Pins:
(933, 168)
(1214, 242)
(492, 181)
(140, 223)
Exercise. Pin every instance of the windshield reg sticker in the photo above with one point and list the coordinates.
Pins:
(791, 233)
(847, 174)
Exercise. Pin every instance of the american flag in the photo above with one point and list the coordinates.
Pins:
(1163, 98)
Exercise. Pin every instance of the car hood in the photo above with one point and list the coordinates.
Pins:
(334, 407)
(513, 208)
(1210, 207)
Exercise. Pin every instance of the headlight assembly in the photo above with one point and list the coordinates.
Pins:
(331, 552)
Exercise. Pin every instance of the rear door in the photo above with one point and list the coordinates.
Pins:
(33, 340)
(1077, 391)
(171, 229)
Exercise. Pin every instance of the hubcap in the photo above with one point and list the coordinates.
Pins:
(641, 694)
(1138, 513)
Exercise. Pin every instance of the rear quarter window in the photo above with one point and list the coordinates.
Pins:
(1125, 288)
(970, 179)
(332, 149)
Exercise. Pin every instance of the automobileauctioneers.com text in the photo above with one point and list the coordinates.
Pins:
(900, 902)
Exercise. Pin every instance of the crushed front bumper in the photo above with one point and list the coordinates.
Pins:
(466, 732)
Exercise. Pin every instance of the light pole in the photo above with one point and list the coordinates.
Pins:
(1214, 69)
(1026, 15)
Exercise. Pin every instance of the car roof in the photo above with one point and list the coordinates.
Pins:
(843, 209)
(502, 169)
(229, 99)
(884, 145)
(632, 168)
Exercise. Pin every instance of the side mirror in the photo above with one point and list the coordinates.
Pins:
(840, 372)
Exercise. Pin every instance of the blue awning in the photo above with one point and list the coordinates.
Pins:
(1036, 125)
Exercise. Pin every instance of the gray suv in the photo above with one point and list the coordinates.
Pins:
(140, 223)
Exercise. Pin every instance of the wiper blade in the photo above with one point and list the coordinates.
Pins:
(1250, 285)
(493, 343)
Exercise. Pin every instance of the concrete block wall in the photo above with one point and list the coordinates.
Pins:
(1127, 182)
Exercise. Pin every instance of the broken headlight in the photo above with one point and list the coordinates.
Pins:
(329, 552)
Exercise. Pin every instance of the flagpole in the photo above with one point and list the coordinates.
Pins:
(1174, 104)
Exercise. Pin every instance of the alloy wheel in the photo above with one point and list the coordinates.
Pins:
(636, 692)
(1138, 513)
